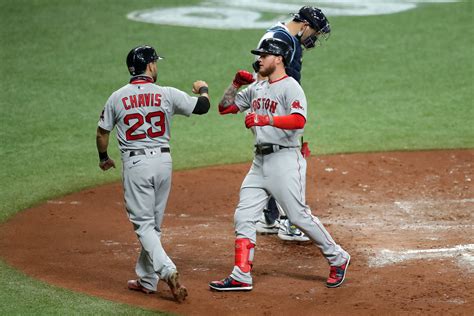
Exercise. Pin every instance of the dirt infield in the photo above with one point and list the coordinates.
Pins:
(406, 218)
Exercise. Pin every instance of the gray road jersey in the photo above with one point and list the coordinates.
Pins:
(142, 113)
(278, 98)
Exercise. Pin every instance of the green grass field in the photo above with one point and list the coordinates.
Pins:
(392, 82)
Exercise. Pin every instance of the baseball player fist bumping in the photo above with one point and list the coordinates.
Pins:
(277, 108)
(142, 112)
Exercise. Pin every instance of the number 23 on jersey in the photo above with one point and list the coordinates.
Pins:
(135, 120)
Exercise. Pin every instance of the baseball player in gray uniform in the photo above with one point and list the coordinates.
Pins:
(278, 115)
(142, 111)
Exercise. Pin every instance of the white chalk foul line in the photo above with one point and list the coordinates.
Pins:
(408, 205)
(463, 253)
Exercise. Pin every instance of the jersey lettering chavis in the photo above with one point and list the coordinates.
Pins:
(142, 113)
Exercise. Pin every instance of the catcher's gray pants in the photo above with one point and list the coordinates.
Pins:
(147, 183)
(283, 175)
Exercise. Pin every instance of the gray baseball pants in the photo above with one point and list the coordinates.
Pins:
(281, 174)
(147, 184)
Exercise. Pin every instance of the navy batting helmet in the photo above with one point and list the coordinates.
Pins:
(274, 46)
(139, 57)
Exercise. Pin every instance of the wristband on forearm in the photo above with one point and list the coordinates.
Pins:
(203, 90)
(103, 156)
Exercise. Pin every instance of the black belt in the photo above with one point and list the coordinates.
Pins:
(138, 152)
(266, 149)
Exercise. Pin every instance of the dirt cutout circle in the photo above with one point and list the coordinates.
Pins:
(405, 217)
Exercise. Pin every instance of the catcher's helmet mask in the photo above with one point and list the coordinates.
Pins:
(139, 57)
(274, 46)
(317, 21)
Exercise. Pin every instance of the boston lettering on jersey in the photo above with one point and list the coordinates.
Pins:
(141, 100)
(264, 103)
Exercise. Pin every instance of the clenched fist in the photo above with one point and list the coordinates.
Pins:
(107, 164)
(242, 77)
(197, 85)
(253, 119)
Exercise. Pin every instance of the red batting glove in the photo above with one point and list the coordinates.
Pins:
(242, 77)
(253, 119)
(305, 150)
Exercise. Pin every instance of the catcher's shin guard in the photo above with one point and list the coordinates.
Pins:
(244, 254)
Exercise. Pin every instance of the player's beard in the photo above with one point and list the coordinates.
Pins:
(265, 72)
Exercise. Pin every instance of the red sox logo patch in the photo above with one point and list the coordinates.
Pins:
(296, 105)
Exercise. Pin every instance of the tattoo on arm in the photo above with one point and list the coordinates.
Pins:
(229, 96)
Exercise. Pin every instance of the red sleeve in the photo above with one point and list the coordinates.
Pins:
(292, 121)
(231, 109)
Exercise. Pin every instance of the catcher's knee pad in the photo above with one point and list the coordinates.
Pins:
(244, 254)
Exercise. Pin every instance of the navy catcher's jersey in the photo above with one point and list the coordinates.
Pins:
(280, 31)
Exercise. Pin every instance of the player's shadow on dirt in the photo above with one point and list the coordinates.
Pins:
(292, 275)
